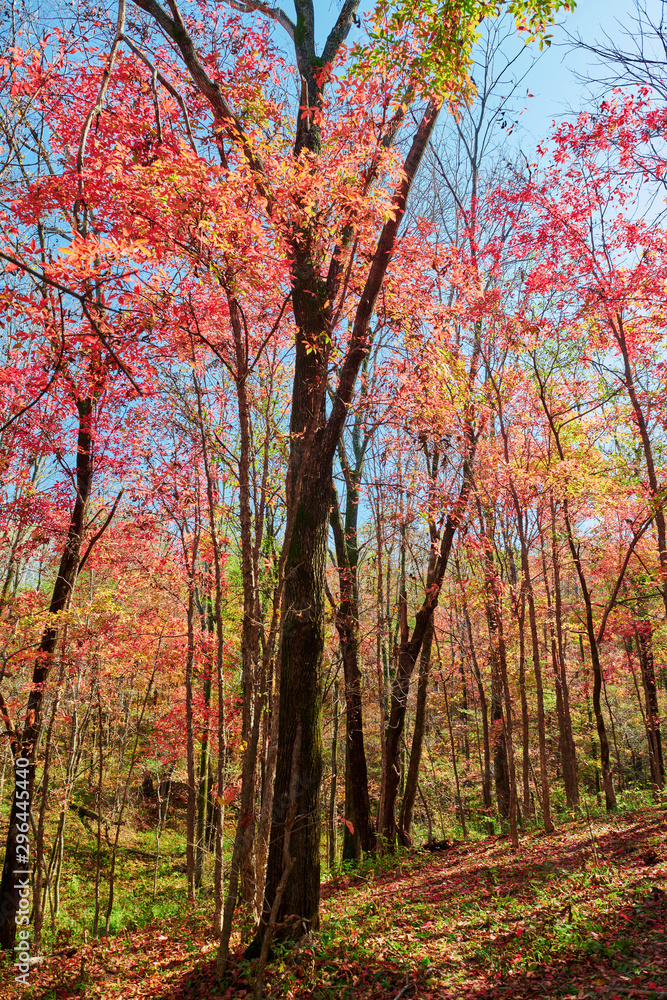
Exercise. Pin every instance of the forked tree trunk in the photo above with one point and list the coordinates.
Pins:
(610, 796)
(411, 643)
(412, 779)
(314, 440)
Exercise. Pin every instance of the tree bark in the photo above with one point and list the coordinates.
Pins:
(357, 803)
(525, 731)
(486, 773)
(643, 639)
(565, 738)
(412, 779)
(60, 598)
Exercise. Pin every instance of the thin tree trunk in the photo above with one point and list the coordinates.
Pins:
(498, 656)
(459, 799)
(412, 780)
(190, 742)
(411, 646)
(332, 819)
(133, 760)
(202, 788)
(357, 803)
(532, 619)
(566, 740)
(610, 796)
(646, 663)
(486, 773)
(60, 598)
(525, 748)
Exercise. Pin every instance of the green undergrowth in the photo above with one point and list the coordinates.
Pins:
(575, 914)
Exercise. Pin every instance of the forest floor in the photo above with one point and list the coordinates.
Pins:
(580, 913)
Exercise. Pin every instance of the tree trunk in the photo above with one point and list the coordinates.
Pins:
(525, 747)
(203, 787)
(657, 493)
(412, 780)
(60, 598)
(645, 649)
(565, 737)
(333, 818)
(300, 712)
(411, 645)
(504, 763)
(486, 773)
(610, 797)
(459, 798)
(537, 668)
(357, 804)
(190, 737)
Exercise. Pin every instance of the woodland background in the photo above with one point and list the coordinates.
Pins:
(494, 572)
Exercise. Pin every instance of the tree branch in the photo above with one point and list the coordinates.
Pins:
(275, 13)
(359, 340)
(226, 118)
(96, 537)
(340, 30)
(165, 83)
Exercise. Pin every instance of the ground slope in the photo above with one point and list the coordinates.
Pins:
(581, 913)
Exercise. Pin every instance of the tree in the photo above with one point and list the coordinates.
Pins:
(337, 240)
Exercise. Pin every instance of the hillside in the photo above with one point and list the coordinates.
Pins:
(578, 914)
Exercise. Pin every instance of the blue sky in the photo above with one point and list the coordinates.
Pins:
(552, 80)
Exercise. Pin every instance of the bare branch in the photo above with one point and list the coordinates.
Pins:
(156, 75)
(96, 537)
(340, 30)
(275, 13)
(225, 116)
(97, 107)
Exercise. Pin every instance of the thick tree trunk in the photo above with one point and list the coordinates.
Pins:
(300, 712)
(314, 440)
